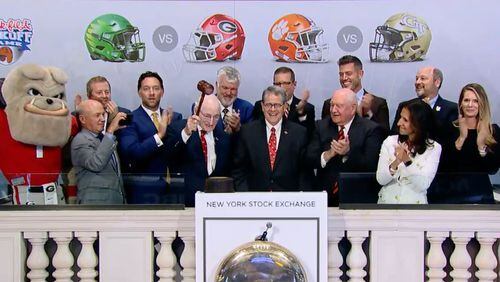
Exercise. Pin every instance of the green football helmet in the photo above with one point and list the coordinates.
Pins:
(113, 38)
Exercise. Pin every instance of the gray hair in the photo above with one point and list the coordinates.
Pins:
(232, 75)
(275, 90)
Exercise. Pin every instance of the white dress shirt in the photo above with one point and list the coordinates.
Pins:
(211, 156)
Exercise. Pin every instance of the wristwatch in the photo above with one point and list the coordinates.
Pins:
(408, 163)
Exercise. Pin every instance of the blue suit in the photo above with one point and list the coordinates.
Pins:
(146, 162)
(193, 161)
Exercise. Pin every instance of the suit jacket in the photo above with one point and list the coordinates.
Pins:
(365, 138)
(98, 176)
(379, 109)
(139, 151)
(445, 112)
(252, 169)
(293, 115)
(190, 155)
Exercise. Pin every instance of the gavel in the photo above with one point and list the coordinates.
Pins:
(206, 89)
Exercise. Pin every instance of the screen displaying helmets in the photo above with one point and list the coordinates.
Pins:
(113, 38)
(296, 38)
(402, 38)
(218, 38)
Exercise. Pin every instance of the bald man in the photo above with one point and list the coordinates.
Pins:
(428, 81)
(202, 146)
(94, 157)
(345, 142)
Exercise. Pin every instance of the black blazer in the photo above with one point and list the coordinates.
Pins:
(252, 169)
(293, 115)
(190, 156)
(379, 109)
(365, 138)
(445, 112)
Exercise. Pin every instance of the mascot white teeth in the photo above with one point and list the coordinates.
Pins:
(34, 126)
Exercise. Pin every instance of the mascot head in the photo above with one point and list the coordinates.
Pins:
(36, 105)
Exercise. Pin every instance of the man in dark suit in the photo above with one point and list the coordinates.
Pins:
(234, 111)
(369, 106)
(142, 145)
(94, 157)
(202, 146)
(427, 84)
(296, 110)
(343, 142)
(269, 153)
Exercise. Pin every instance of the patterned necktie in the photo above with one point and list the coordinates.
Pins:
(341, 136)
(341, 133)
(224, 113)
(287, 110)
(272, 147)
(204, 145)
(156, 121)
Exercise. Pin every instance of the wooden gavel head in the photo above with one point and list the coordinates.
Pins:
(205, 87)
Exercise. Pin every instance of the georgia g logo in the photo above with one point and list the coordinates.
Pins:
(227, 27)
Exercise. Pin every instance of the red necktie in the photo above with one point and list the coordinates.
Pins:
(272, 147)
(341, 136)
(204, 144)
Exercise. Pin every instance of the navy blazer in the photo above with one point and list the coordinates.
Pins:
(365, 138)
(192, 161)
(252, 169)
(445, 112)
(293, 115)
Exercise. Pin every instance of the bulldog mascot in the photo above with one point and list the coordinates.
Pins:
(34, 126)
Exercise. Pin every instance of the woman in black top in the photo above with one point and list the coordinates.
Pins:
(470, 150)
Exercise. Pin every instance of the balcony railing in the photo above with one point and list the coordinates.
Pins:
(133, 243)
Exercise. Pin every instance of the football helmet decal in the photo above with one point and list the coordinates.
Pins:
(218, 38)
(113, 38)
(296, 38)
(402, 38)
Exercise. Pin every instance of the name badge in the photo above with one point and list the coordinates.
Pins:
(39, 151)
(50, 193)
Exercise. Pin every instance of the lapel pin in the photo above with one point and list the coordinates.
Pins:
(438, 108)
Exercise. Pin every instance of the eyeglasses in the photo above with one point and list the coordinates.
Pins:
(272, 105)
(282, 83)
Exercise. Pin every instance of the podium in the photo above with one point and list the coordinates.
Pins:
(296, 221)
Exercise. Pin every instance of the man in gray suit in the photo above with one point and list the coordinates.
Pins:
(94, 157)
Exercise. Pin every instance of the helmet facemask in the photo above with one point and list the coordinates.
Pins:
(129, 44)
(310, 46)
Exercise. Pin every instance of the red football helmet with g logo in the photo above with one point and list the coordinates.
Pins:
(296, 38)
(218, 38)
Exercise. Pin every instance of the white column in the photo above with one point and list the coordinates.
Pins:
(87, 260)
(166, 258)
(335, 259)
(435, 260)
(356, 259)
(188, 258)
(485, 259)
(63, 259)
(37, 260)
(460, 260)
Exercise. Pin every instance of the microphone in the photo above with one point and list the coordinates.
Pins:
(263, 237)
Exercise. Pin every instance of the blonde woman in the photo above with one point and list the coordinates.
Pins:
(471, 149)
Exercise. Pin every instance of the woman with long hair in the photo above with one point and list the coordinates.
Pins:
(408, 161)
(470, 150)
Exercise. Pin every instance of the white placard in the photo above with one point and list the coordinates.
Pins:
(225, 221)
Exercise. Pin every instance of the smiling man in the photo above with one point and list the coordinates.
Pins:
(345, 142)
(428, 81)
(201, 146)
(368, 105)
(269, 153)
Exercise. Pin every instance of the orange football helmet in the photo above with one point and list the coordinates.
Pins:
(296, 38)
